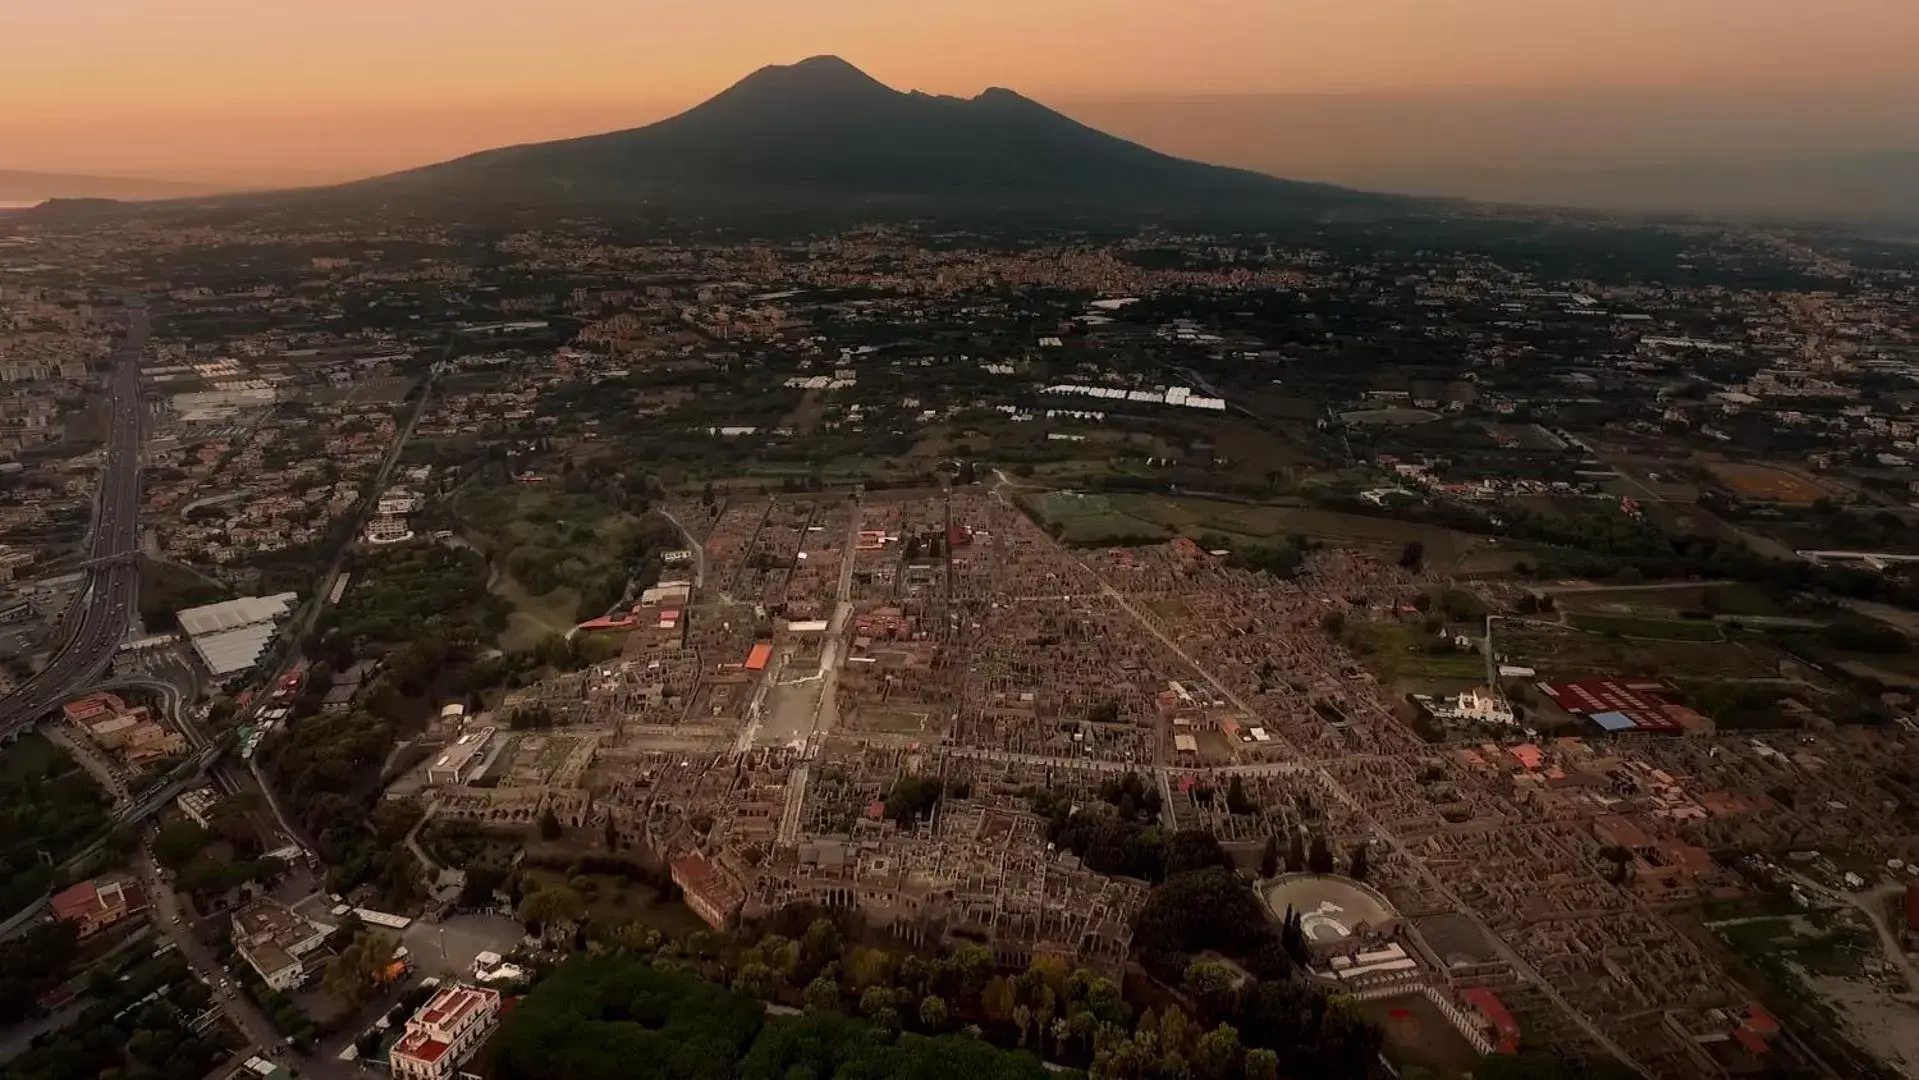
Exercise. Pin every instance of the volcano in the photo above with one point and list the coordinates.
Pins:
(823, 133)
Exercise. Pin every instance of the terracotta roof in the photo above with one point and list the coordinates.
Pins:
(420, 1047)
(1494, 1010)
(76, 902)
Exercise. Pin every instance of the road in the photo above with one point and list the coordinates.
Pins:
(173, 919)
(97, 618)
(692, 544)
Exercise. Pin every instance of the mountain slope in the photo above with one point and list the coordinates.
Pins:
(821, 130)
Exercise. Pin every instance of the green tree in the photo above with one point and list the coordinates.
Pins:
(998, 1000)
(1269, 858)
(756, 980)
(822, 995)
(178, 842)
(1212, 986)
(932, 1012)
(1216, 1055)
(1264, 1065)
(867, 967)
(875, 999)
(819, 947)
(974, 965)
(1175, 1030)
(1413, 555)
(556, 906)
(549, 825)
(358, 972)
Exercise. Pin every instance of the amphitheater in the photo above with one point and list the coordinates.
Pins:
(1331, 908)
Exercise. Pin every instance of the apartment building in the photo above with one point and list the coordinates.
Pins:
(444, 1033)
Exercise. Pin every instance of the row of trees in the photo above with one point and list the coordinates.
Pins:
(49, 808)
(1314, 855)
(137, 1027)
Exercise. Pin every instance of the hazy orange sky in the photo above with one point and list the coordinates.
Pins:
(272, 89)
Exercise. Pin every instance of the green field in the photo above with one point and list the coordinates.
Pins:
(1091, 520)
(558, 557)
(1640, 626)
(1386, 536)
(535, 618)
(1402, 656)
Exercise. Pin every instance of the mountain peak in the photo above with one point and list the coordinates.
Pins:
(825, 62)
(813, 73)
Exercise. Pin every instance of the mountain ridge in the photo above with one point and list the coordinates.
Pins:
(823, 132)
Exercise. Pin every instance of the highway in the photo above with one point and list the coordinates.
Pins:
(97, 618)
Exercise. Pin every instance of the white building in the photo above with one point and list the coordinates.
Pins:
(1485, 706)
(272, 938)
(452, 764)
(230, 636)
(444, 1033)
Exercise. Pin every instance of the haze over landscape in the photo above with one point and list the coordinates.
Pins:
(1700, 103)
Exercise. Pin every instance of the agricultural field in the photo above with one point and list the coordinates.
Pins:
(1569, 653)
(1646, 627)
(1684, 519)
(1445, 548)
(1092, 519)
(1727, 598)
(1389, 417)
(1526, 437)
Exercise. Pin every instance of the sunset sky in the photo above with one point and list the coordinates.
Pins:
(271, 90)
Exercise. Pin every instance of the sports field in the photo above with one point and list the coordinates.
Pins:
(1768, 482)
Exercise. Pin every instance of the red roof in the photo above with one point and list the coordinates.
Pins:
(421, 1048)
(449, 1006)
(76, 902)
(1494, 1010)
(756, 660)
(1912, 907)
(1639, 702)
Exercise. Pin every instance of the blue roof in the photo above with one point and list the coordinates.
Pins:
(1614, 721)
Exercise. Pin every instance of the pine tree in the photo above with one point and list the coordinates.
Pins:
(1269, 858)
